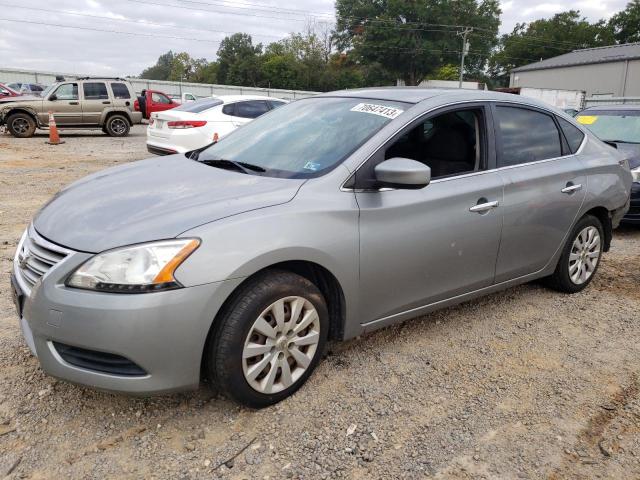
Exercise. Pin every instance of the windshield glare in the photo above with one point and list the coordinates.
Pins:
(306, 138)
(47, 90)
(623, 126)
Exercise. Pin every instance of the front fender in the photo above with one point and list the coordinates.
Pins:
(6, 110)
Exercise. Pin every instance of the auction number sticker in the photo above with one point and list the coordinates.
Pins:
(382, 110)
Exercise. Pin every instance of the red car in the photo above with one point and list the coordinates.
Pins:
(8, 92)
(153, 101)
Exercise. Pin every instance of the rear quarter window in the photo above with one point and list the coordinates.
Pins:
(120, 90)
(572, 133)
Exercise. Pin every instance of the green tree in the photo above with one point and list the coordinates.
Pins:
(626, 24)
(161, 70)
(447, 72)
(412, 39)
(546, 38)
(239, 61)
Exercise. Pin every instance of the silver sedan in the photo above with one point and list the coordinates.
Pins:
(322, 220)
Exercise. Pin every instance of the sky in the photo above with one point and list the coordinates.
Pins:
(103, 44)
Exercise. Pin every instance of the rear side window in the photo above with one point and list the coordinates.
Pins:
(120, 90)
(251, 109)
(572, 133)
(229, 109)
(95, 91)
(527, 136)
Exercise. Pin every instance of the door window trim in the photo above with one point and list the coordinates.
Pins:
(491, 128)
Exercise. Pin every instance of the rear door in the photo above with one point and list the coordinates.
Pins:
(95, 100)
(545, 186)
(64, 102)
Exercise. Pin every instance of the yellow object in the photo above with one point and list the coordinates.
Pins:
(587, 119)
(166, 274)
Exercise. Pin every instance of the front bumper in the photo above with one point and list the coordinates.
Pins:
(633, 215)
(164, 333)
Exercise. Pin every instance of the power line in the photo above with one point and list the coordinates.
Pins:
(137, 22)
(76, 27)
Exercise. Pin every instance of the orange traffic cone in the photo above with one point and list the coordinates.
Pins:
(54, 138)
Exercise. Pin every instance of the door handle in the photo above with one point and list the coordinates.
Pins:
(73, 103)
(484, 207)
(570, 188)
(106, 102)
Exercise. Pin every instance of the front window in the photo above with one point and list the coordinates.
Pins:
(613, 125)
(160, 98)
(306, 138)
(67, 91)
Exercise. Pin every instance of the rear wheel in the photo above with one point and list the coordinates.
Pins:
(117, 126)
(580, 258)
(269, 340)
(21, 125)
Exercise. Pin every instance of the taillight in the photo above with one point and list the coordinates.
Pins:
(187, 124)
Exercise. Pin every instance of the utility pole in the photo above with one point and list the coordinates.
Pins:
(465, 50)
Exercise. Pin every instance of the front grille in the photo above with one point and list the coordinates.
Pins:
(36, 256)
(99, 361)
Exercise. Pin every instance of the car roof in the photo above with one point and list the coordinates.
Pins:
(238, 98)
(442, 95)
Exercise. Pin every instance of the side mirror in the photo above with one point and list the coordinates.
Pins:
(402, 173)
(53, 97)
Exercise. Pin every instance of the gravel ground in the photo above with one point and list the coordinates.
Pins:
(526, 383)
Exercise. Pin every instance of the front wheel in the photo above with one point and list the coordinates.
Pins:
(117, 126)
(21, 125)
(580, 257)
(269, 339)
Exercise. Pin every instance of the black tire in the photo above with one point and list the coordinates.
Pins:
(561, 279)
(224, 362)
(117, 126)
(21, 125)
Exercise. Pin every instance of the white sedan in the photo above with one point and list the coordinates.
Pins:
(196, 124)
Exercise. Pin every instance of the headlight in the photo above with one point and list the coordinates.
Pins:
(635, 173)
(148, 267)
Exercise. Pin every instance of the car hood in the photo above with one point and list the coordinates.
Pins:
(151, 200)
(21, 98)
(631, 152)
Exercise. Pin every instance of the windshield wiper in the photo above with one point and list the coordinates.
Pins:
(243, 167)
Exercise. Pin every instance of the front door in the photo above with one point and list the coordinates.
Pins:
(545, 186)
(418, 247)
(64, 103)
(95, 100)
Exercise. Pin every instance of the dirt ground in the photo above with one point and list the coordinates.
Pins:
(526, 383)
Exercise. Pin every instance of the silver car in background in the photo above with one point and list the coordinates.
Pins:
(324, 219)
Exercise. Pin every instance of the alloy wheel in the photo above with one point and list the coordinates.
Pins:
(281, 344)
(20, 126)
(118, 126)
(585, 255)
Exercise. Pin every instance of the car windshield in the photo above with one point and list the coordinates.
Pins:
(613, 125)
(306, 138)
(198, 105)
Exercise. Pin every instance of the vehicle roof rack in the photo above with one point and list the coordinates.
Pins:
(101, 78)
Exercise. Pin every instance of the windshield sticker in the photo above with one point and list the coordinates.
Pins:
(313, 166)
(382, 110)
(587, 119)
